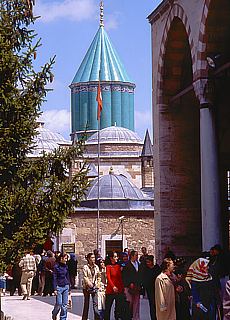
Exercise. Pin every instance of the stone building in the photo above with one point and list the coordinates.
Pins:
(191, 115)
(125, 190)
(126, 214)
(120, 148)
(118, 212)
(125, 217)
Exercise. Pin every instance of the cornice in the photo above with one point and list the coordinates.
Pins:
(160, 10)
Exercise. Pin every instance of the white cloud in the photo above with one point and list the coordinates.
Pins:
(112, 21)
(57, 120)
(76, 10)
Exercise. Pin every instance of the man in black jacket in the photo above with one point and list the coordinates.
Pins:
(131, 276)
(149, 272)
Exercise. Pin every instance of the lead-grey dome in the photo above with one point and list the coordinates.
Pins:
(116, 192)
(46, 141)
(115, 135)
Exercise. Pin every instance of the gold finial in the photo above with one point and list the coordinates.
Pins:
(111, 170)
(101, 14)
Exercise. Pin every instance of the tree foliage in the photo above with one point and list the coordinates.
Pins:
(35, 195)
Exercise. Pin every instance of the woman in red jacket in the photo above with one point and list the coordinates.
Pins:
(115, 289)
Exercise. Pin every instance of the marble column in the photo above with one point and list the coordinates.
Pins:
(210, 188)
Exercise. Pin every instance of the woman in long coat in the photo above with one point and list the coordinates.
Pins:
(165, 292)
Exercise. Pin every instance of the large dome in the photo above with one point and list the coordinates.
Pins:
(46, 141)
(115, 192)
(101, 60)
(115, 135)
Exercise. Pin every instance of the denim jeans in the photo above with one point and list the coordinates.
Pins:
(61, 302)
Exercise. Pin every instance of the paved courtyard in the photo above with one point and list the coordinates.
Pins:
(41, 307)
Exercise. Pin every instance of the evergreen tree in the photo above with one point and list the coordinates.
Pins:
(35, 195)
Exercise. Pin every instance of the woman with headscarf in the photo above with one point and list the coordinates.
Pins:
(226, 301)
(203, 290)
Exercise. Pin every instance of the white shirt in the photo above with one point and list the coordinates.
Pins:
(135, 264)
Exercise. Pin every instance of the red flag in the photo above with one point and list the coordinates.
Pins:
(99, 101)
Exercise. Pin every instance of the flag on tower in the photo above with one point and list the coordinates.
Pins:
(99, 101)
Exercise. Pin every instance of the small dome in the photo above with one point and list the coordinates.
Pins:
(46, 141)
(116, 192)
(115, 135)
(114, 186)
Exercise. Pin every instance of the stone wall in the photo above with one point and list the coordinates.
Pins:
(138, 230)
(147, 173)
(112, 147)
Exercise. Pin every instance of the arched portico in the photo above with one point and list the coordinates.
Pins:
(214, 121)
(191, 105)
(177, 167)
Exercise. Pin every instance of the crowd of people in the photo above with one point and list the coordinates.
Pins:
(175, 290)
(33, 274)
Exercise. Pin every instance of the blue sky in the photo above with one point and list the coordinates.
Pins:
(67, 28)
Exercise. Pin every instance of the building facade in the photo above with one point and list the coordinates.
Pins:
(117, 210)
(115, 154)
(191, 115)
(125, 190)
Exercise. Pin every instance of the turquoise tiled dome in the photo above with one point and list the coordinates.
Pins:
(102, 56)
(117, 88)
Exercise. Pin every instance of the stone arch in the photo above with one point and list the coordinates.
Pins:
(177, 165)
(176, 12)
(214, 40)
(210, 37)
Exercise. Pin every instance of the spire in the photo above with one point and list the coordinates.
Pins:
(147, 150)
(101, 14)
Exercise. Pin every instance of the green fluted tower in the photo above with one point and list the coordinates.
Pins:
(102, 62)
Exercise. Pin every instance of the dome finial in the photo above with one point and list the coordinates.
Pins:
(111, 170)
(101, 14)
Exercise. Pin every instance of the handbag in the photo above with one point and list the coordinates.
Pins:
(134, 290)
(101, 300)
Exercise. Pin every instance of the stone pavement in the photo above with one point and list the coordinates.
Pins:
(40, 308)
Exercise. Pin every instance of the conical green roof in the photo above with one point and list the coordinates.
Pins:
(101, 56)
